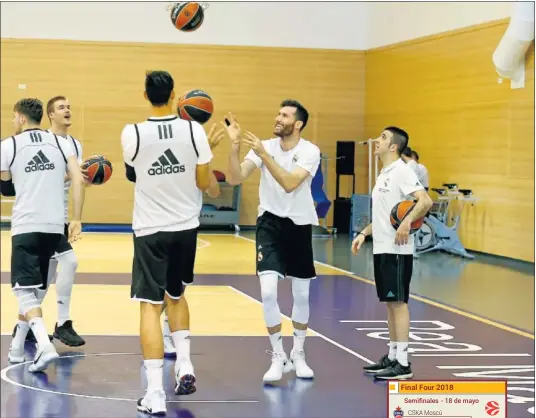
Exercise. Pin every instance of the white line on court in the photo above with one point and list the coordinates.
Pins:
(3, 375)
(329, 340)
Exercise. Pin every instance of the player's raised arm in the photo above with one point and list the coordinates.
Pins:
(238, 172)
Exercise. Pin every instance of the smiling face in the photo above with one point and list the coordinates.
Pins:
(383, 144)
(60, 113)
(286, 123)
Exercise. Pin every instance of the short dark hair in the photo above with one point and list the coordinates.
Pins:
(301, 112)
(52, 102)
(159, 85)
(400, 138)
(415, 155)
(407, 152)
(31, 108)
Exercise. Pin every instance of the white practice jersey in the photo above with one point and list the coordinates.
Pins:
(298, 205)
(77, 149)
(37, 161)
(395, 183)
(165, 152)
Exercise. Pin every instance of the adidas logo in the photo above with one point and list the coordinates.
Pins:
(167, 163)
(39, 163)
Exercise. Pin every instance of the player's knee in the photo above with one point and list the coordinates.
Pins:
(27, 300)
(269, 288)
(68, 261)
(300, 293)
(300, 290)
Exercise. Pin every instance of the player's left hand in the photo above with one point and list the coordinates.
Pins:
(254, 143)
(75, 231)
(85, 176)
(402, 233)
(214, 137)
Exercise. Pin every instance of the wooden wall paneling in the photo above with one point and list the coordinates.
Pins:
(104, 82)
(467, 127)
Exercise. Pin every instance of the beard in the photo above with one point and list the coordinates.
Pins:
(283, 131)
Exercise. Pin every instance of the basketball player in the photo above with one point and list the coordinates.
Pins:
(406, 157)
(421, 170)
(214, 138)
(59, 115)
(168, 159)
(393, 250)
(284, 224)
(34, 162)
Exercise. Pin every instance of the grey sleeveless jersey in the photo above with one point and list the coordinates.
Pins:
(37, 161)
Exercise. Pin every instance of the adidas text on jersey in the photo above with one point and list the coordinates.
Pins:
(39, 163)
(167, 163)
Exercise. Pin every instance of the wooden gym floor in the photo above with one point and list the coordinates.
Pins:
(470, 319)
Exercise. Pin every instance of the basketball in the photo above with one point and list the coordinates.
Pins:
(400, 211)
(188, 16)
(99, 169)
(195, 105)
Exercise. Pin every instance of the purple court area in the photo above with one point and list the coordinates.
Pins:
(105, 373)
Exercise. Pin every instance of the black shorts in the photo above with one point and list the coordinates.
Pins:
(64, 246)
(392, 274)
(284, 247)
(162, 262)
(30, 256)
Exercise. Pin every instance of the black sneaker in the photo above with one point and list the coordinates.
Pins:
(395, 371)
(30, 337)
(67, 335)
(383, 364)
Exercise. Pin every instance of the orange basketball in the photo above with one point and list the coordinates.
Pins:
(400, 211)
(187, 16)
(99, 169)
(195, 105)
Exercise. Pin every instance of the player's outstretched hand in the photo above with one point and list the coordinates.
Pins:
(233, 129)
(75, 231)
(214, 137)
(254, 143)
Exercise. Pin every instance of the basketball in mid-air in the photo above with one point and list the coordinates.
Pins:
(99, 169)
(195, 105)
(187, 16)
(400, 211)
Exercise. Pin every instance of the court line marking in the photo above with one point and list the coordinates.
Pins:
(429, 302)
(318, 334)
(3, 375)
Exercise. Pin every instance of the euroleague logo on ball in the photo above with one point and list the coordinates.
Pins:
(492, 408)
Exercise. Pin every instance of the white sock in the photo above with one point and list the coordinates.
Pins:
(277, 342)
(20, 335)
(165, 327)
(64, 304)
(38, 327)
(299, 339)
(392, 350)
(64, 285)
(181, 340)
(402, 353)
(155, 374)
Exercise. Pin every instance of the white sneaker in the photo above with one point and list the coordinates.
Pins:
(185, 379)
(169, 347)
(275, 372)
(153, 403)
(16, 355)
(43, 357)
(297, 362)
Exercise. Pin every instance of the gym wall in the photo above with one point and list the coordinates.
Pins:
(467, 128)
(105, 82)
